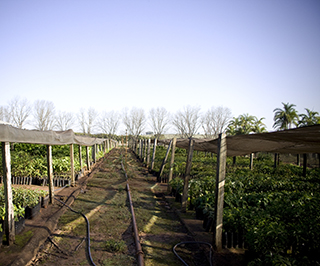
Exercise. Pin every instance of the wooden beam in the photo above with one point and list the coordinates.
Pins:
(219, 193)
(73, 180)
(187, 176)
(251, 161)
(173, 149)
(9, 228)
(50, 174)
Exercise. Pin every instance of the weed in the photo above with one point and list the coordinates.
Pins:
(115, 246)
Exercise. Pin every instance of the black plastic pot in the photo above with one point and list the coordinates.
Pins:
(19, 225)
(30, 213)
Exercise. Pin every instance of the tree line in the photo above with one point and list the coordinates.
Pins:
(42, 115)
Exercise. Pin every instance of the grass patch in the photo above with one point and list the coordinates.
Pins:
(115, 246)
(22, 239)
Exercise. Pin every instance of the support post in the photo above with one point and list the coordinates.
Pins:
(304, 165)
(275, 161)
(251, 161)
(153, 154)
(88, 157)
(187, 176)
(173, 149)
(145, 150)
(73, 180)
(164, 161)
(219, 193)
(140, 149)
(148, 152)
(50, 173)
(80, 158)
(9, 228)
(94, 153)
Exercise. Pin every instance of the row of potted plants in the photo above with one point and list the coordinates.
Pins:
(26, 204)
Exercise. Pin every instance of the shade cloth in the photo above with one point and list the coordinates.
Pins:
(9, 133)
(297, 141)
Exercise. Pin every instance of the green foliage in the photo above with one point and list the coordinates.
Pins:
(115, 246)
(278, 209)
(21, 198)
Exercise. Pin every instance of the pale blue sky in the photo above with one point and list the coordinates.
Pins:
(248, 55)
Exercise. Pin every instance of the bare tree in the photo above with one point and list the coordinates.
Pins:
(64, 121)
(160, 119)
(134, 121)
(215, 120)
(86, 119)
(19, 110)
(109, 122)
(4, 114)
(44, 115)
(187, 121)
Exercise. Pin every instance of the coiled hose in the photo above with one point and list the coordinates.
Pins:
(192, 242)
(88, 229)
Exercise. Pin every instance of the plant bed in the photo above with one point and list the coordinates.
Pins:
(32, 212)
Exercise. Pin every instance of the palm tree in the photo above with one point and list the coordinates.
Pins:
(259, 126)
(245, 124)
(311, 118)
(286, 117)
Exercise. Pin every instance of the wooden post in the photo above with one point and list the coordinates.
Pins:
(9, 228)
(164, 162)
(275, 160)
(50, 173)
(140, 149)
(145, 150)
(219, 193)
(173, 149)
(73, 180)
(88, 157)
(304, 165)
(105, 147)
(298, 159)
(94, 153)
(187, 176)
(148, 152)
(251, 161)
(154, 153)
(80, 158)
(108, 144)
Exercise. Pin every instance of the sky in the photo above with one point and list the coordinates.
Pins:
(247, 55)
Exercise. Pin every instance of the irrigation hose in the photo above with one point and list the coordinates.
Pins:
(193, 242)
(88, 229)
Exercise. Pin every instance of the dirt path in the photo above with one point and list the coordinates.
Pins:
(104, 201)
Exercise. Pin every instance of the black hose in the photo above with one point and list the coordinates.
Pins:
(192, 242)
(88, 229)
